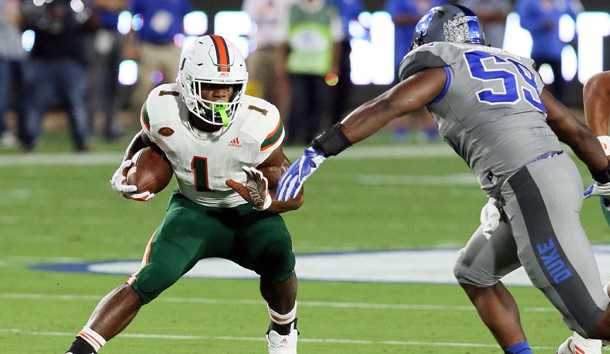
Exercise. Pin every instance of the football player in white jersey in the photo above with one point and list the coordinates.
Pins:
(492, 109)
(216, 139)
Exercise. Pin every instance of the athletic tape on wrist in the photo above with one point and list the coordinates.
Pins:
(331, 142)
(605, 141)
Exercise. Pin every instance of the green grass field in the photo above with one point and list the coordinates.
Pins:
(57, 207)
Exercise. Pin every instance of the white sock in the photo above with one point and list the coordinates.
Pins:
(283, 319)
(91, 337)
(586, 346)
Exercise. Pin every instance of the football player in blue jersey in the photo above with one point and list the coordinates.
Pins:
(492, 109)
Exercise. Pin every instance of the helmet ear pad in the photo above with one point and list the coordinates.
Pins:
(448, 23)
(212, 60)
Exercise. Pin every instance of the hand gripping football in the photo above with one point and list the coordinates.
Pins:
(150, 171)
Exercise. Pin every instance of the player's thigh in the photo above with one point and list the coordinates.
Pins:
(543, 202)
(186, 235)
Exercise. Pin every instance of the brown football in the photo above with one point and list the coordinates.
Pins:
(149, 171)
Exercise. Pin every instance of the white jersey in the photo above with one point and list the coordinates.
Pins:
(202, 162)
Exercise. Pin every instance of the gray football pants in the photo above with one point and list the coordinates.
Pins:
(540, 230)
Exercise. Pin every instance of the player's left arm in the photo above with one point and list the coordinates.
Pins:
(574, 132)
(583, 142)
(408, 97)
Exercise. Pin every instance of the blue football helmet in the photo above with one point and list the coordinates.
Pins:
(448, 23)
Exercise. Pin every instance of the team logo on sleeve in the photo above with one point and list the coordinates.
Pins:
(166, 131)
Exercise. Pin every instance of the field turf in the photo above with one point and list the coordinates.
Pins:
(57, 207)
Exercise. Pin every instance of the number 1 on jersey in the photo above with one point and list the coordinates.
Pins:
(199, 165)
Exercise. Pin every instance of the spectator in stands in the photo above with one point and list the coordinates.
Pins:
(405, 14)
(349, 10)
(541, 19)
(56, 69)
(156, 46)
(11, 57)
(313, 33)
(265, 79)
(104, 71)
(492, 14)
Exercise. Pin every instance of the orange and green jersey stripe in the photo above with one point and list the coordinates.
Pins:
(144, 117)
(273, 137)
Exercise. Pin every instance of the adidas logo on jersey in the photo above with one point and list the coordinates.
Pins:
(235, 142)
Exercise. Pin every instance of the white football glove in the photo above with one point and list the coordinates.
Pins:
(255, 191)
(597, 189)
(118, 183)
(490, 217)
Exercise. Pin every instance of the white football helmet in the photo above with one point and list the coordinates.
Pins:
(211, 59)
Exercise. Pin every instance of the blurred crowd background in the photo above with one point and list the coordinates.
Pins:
(85, 67)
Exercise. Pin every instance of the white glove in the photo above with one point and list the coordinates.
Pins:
(490, 217)
(118, 183)
(255, 191)
(292, 180)
(597, 189)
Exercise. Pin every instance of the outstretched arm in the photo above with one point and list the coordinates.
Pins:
(407, 97)
(410, 96)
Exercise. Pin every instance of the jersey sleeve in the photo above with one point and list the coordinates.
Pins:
(433, 55)
(160, 108)
(145, 120)
(264, 128)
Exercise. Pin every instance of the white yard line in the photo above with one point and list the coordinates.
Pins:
(325, 304)
(261, 339)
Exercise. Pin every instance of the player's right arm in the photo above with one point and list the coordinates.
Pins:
(119, 178)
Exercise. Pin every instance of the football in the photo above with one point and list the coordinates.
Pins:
(149, 171)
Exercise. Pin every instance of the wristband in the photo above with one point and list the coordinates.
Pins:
(331, 142)
(605, 141)
(602, 176)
